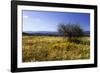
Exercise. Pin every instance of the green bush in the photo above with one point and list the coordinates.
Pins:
(72, 31)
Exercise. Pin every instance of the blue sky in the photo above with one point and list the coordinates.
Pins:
(49, 21)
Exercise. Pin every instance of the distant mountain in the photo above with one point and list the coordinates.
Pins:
(48, 33)
(87, 32)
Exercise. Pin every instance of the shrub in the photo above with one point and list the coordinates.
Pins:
(72, 31)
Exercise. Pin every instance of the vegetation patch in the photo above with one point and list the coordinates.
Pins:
(53, 48)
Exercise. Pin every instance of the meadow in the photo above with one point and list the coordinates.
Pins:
(54, 48)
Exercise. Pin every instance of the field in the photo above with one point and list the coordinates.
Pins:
(53, 48)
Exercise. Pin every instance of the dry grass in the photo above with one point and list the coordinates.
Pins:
(51, 48)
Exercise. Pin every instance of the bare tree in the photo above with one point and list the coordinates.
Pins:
(70, 31)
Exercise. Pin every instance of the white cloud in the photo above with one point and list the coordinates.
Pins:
(25, 16)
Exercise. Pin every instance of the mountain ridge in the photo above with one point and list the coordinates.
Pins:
(50, 33)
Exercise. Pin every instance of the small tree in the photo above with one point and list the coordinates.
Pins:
(72, 31)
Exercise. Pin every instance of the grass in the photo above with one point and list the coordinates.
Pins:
(53, 48)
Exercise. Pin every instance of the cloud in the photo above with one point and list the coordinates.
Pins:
(25, 16)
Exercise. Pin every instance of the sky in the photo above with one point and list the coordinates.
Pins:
(49, 21)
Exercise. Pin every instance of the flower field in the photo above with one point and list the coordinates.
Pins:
(53, 48)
